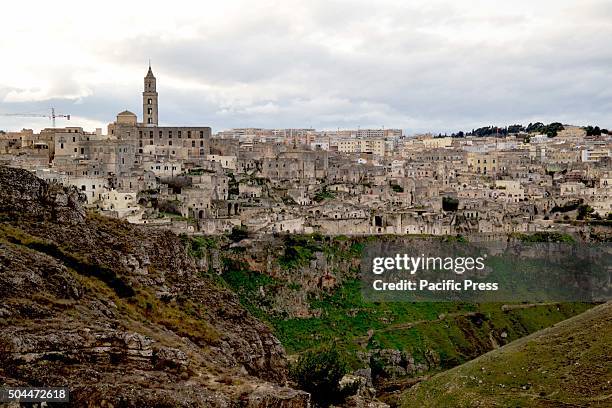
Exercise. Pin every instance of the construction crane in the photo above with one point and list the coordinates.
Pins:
(52, 116)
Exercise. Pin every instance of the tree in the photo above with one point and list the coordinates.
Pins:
(595, 131)
(238, 233)
(319, 373)
(584, 211)
(535, 127)
(552, 129)
(450, 204)
(515, 128)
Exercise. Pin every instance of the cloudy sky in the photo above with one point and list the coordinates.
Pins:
(431, 65)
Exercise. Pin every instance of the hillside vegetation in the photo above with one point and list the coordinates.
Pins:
(567, 365)
(307, 288)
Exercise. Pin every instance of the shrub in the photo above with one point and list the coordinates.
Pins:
(319, 373)
(397, 188)
(239, 233)
(584, 211)
(324, 194)
(450, 204)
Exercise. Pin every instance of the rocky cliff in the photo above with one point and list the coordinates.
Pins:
(121, 314)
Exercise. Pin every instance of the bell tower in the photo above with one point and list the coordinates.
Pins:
(149, 100)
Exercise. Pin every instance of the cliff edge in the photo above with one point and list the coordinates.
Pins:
(121, 314)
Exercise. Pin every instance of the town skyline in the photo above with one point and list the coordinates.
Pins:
(428, 67)
(40, 122)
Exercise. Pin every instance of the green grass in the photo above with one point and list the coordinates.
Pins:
(341, 317)
(198, 245)
(565, 365)
(346, 319)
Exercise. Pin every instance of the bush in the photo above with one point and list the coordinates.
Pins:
(239, 233)
(584, 211)
(319, 373)
(299, 250)
(170, 207)
(450, 204)
(567, 207)
(544, 236)
(324, 194)
(397, 188)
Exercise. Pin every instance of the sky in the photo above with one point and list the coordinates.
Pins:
(422, 66)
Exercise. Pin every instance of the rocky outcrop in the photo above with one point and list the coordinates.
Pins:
(121, 314)
(29, 197)
(392, 363)
(267, 396)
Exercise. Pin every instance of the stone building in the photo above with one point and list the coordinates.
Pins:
(194, 140)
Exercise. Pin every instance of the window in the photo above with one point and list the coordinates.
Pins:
(61, 145)
(179, 134)
(201, 134)
(149, 101)
(140, 133)
(189, 134)
(169, 142)
(149, 110)
(150, 133)
(201, 143)
(193, 143)
(149, 120)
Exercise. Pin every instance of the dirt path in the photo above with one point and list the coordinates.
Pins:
(410, 325)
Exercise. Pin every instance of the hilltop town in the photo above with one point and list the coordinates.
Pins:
(351, 182)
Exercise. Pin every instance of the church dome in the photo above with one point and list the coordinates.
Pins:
(127, 118)
(126, 113)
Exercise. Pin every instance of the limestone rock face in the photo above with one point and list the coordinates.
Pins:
(120, 313)
(27, 196)
(393, 363)
(270, 396)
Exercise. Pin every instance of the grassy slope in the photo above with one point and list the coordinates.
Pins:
(569, 364)
(354, 325)
(457, 332)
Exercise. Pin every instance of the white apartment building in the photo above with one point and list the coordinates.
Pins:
(594, 154)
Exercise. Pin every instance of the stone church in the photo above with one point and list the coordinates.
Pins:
(148, 138)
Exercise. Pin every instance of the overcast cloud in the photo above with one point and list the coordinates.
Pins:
(435, 65)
